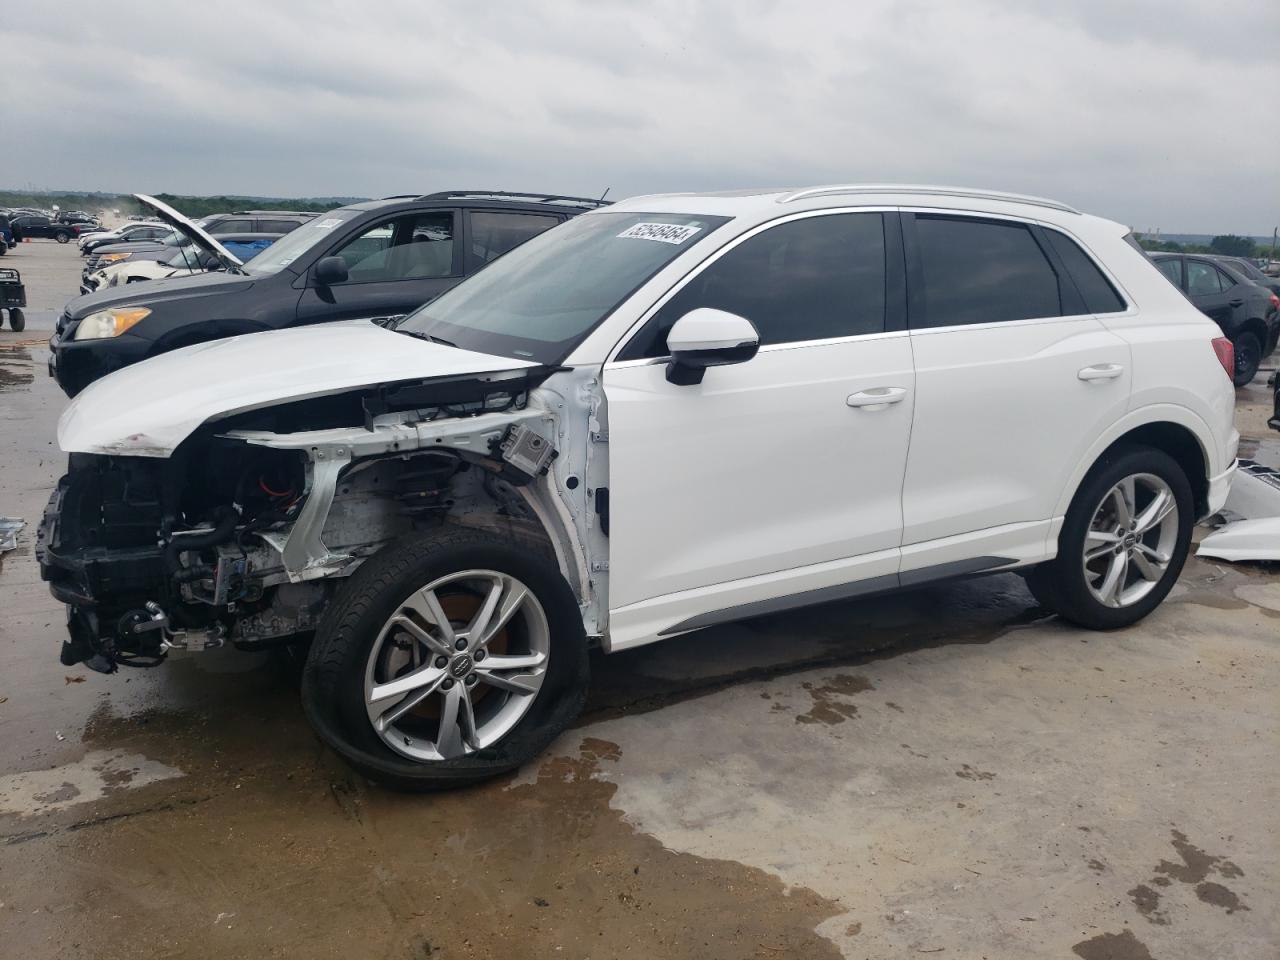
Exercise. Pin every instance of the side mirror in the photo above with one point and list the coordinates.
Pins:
(331, 270)
(708, 338)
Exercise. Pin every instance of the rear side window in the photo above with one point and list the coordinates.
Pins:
(493, 233)
(811, 279)
(230, 226)
(982, 271)
(276, 226)
(1099, 295)
(1203, 279)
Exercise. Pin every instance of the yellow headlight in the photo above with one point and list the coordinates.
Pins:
(109, 323)
(112, 257)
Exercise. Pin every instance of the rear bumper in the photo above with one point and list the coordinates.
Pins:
(1219, 487)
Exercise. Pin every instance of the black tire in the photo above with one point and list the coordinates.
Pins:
(17, 320)
(1248, 358)
(4, 248)
(1060, 584)
(61, 236)
(333, 677)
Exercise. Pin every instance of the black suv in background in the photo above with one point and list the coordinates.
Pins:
(1245, 311)
(380, 258)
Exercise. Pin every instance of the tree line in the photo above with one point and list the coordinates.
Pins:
(1227, 244)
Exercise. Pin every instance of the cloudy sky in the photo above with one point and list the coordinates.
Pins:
(1157, 113)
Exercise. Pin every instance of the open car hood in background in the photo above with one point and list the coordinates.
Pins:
(184, 226)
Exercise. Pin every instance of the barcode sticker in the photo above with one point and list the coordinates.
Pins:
(662, 232)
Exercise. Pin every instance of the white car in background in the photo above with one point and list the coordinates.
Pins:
(673, 412)
(183, 261)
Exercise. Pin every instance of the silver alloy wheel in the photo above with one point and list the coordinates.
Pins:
(432, 688)
(1131, 539)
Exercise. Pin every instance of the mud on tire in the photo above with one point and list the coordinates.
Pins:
(333, 679)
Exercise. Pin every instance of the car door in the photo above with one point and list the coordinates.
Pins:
(1211, 291)
(766, 478)
(393, 266)
(1015, 378)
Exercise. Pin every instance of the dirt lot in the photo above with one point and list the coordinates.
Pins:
(948, 772)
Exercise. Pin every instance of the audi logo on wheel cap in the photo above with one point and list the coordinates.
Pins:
(461, 666)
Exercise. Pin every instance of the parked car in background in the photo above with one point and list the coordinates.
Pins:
(77, 216)
(129, 233)
(182, 261)
(1250, 270)
(1245, 311)
(583, 443)
(163, 247)
(37, 225)
(380, 258)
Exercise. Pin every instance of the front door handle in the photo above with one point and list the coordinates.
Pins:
(877, 398)
(1101, 371)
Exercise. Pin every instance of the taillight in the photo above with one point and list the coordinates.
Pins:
(1226, 355)
(1275, 302)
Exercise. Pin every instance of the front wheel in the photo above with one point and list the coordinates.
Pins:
(1248, 351)
(448, 658)
(17, 320)
(1123, 542)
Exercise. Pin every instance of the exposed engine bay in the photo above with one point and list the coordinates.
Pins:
(242, 534)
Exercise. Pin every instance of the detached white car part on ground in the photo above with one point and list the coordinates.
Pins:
(678, 411)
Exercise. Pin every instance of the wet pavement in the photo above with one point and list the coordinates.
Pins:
(947, 772)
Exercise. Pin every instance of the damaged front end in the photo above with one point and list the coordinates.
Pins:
(242, 534)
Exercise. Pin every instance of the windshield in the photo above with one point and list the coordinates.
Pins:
(297, 242)
(538, 301)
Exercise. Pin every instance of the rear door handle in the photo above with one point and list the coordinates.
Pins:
(1237, 302)
(1101, 371)
(877, 398)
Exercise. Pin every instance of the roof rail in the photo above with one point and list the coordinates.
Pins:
(513, 195)
(928, 191)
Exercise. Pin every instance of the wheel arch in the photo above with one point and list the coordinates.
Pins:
(1174, 430)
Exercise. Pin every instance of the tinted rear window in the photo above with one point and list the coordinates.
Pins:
(1099, 295)
(983, 271)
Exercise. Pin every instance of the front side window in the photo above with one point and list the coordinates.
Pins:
(540, 300)
(415, 247)
(982, 271)
(1203, 279)
(816, 278)
(494, 232)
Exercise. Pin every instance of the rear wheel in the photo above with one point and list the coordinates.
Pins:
(446, 660)
(1248, 350)
(62, 237)
(1123, 543)
(17, 320)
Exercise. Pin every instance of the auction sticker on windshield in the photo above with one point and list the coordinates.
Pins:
(662, 232)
